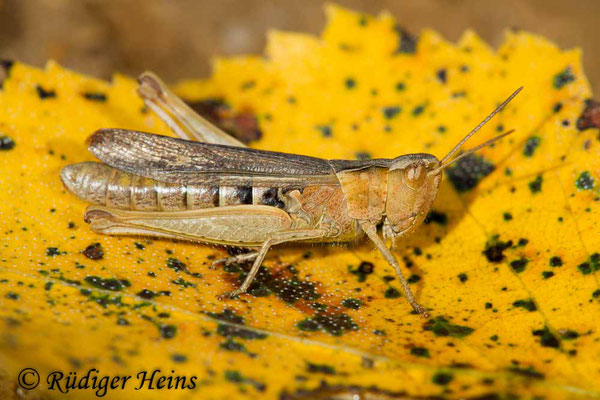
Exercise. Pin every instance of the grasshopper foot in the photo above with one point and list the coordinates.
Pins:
(229, 295)
(233, 260)
(421, 310)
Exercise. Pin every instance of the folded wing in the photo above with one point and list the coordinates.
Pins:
(169, 159)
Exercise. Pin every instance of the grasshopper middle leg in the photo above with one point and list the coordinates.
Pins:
(276, 238)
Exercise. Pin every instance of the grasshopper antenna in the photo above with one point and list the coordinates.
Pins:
(470, 151)
(478, 127)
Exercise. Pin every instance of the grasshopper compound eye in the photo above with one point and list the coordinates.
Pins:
(414, 175)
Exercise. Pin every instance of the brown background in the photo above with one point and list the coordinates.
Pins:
(177, 38)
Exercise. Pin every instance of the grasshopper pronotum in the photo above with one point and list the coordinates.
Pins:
(209, 187)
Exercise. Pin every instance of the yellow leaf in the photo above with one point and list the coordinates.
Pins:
(507, 261)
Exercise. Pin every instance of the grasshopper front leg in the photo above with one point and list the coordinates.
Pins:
(371, 232)
(276, 238)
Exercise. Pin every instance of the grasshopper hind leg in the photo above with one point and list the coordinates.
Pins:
(182, 120)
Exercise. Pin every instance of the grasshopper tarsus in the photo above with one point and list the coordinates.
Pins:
(214, 189)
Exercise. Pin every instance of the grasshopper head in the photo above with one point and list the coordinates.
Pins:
(413, 182)
(414, 179)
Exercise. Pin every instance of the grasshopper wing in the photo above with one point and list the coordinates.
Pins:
(169, 159)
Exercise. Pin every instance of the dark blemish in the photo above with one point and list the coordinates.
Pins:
(596, 294)
(494, 338)
(362, 155)
(101, 97)
(308, 325)
(71, 225)
(562, 78)
(488, 305)
(527, 304)
(350, 83)
(420, 352)
(494, 249)
(270, 197)
(291, 100)
(547, 339)
(556, 262)
(108, 283)
(391, 111)
(547, 274)
(568, 334)
(247, 85)
(48, 286)
(234, 331)
(235, 377)
(53, 252)
(183, 283)
(122, 322)
(354, 304)
(167, 331)
(6, 143)
(464, 68)
(365, 268)
(320, 369)
(94, 251)
(178, 265)
(417, 251)
(441, 129)
(418, 110)
(243, 125)
(530, 145)
(379, 332)
(565, 122)
(139, 246)
(334, 324)
(442, 378)
(529, 372)
(232, 345)
(325, 130)
(442, 75)
(283, 283)
(519, 265)
(408, 42)
(507, 216)
(460, 93)
(441, 327)
(522, 242)
(151, 274)
(400, 86)
(585, 181)
(149, 294)
(439, 218)
(590, 117)
(536, 185)
(12, 296)
(413, 279)
(179, 358)
(362, 21)
(591, 265)
(557, 107)
(45, 94)
(391, 293)
(468, 171)
(463, 277)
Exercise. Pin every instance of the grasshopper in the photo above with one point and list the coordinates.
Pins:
(206, 186)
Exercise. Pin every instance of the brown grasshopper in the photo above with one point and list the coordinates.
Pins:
(209, 187)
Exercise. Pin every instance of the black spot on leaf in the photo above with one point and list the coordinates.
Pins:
(467, 172)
